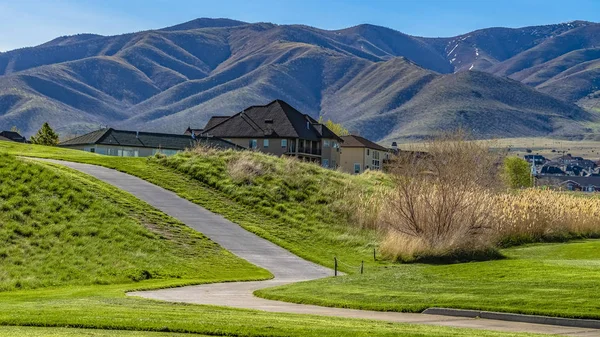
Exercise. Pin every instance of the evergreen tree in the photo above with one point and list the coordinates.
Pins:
(45, 136)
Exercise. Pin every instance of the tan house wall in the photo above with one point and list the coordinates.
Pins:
(273, 148)
(350, 156)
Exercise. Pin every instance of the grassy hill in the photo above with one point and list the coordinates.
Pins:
(74, 246)
(367, 77)
(61, 228)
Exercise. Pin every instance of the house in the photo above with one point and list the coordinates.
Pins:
(12, 136)
(535, 159)
(584, 184)
(360, 154)
(277, 128)
(139, 144)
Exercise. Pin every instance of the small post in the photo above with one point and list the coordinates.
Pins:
(362, 267)
(335, 266)
(374, 255)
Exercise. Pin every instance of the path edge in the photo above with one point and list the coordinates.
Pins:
(503, 316)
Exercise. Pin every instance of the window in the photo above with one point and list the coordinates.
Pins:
(325, 163)
(284, 143)
(368, 152)
(376, 163)
(356, 168)
(335, 145)
(93, 150)
(325, 143)
(252, 144)
(266, 143)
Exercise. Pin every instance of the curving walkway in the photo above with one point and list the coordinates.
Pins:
(285, 266)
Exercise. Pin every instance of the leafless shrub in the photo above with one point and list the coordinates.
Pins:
(441, 201)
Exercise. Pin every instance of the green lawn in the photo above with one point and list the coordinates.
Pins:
(106, 307)
(290, 211)
(546, 279)
(20, 331)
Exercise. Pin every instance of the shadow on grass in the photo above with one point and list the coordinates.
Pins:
(456, 256)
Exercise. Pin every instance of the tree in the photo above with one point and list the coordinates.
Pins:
(517, 172)
(337, 128)
(45, 136)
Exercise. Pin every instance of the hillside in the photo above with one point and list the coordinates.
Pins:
(370, 78)
(60, 228)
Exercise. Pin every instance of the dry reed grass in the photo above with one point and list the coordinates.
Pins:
(450, 204)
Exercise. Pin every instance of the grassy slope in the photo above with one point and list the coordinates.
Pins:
(550, 279)
(203, 182)
(61, 228)
(106, 306)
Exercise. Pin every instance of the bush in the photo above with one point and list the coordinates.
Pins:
(517, 173)
(441, 202)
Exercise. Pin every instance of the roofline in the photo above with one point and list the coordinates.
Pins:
(74, 139)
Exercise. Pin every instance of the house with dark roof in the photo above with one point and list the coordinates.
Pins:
(123, 143)
(584, 184)
(360, 154)
(12, 136)
(279, 129)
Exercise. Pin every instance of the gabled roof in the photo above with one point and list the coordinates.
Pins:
(274, 120)
(14, 136)
(144, 139)
(214, 121)
(358, 141)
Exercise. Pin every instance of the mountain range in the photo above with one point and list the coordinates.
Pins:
(383, 84)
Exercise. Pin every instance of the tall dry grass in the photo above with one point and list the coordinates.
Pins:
(451, 204)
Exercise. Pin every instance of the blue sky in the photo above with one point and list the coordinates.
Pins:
(29, 22)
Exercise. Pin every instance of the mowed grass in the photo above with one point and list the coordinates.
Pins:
(106, 308)
(63, 228)
(291, 211)
(20, 331)
(546, 279)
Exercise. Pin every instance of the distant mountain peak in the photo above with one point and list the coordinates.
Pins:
(205, 23)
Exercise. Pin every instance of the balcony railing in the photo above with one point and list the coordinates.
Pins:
(307, 150)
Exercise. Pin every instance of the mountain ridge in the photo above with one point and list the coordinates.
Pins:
(372, 79)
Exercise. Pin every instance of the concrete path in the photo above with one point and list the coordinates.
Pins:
(285, 266)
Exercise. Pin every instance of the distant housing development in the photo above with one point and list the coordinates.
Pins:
(279, 129)
(139, 144)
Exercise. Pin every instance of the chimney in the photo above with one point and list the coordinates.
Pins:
(137, 134)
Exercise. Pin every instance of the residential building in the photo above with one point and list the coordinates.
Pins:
(12, 136)
(139, 144)
(360, 154)
(584, 184)
(279, 129)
